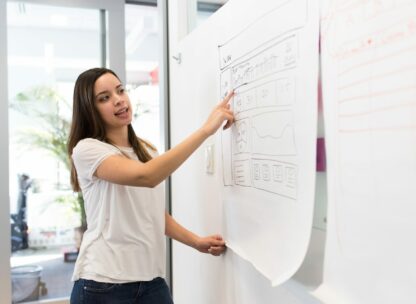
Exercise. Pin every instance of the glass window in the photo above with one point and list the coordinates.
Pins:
(142, 68)
(206, 8)
(47, 49)
(202, 15)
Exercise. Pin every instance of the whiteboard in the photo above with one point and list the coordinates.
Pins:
(269, 55)
(369, 92)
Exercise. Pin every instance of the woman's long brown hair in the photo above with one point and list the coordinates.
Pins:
(87, 123)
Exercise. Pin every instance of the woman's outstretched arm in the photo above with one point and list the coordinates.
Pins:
(121, 170)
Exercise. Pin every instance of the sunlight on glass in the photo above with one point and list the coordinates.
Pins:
(45, 213)
(142, 55)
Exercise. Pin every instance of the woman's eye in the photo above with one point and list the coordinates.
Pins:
(121, 91)
(104, 98)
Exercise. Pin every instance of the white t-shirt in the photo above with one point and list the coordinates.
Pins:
(125, 239)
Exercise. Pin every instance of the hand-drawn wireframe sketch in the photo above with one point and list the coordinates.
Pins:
(269, 58)
(275, 177)
(263, 137)
(240, 139)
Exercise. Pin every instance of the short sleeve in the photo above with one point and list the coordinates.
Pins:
(88, 154)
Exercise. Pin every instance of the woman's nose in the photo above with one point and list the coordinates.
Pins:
(118, 100)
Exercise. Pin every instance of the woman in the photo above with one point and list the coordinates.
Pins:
(122, 256)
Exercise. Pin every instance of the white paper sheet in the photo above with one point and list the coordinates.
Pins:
(369, 92)
(269, 55)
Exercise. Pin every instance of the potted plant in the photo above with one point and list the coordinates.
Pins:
(50, 111)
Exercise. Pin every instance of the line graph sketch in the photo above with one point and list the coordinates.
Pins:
(273, 139)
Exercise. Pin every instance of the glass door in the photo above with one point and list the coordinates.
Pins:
(48, 46)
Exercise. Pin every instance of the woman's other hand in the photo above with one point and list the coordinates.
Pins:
(213, 244)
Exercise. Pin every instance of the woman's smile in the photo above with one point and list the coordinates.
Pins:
(122, 113)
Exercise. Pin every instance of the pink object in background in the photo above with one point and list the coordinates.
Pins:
(320, 155)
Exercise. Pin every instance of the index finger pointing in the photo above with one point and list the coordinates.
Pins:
(227, 98)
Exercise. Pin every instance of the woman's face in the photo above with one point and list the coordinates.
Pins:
(112, 102)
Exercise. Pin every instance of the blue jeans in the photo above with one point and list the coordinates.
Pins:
(145, 292)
